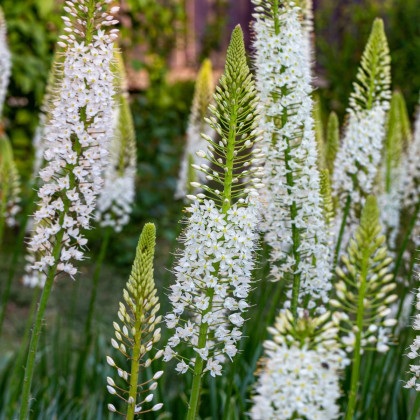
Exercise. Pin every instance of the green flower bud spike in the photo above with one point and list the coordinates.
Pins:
(137, 332)
(364, 293)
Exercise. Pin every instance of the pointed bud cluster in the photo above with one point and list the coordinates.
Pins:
(5, 61)
(293, 220)
(203, 97)
(9, 183)
(300, 372)
(137, 333)
(77, 137)
(118, 193)
(213, 274)
(365, 286)
(359, 156)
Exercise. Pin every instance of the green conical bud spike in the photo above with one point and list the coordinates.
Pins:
(333, 141)
(393, 141)
(328, 206)
(404, 119)
(374, 74)
(139, 320)
(370, 216)
(319, 132)
(203, 93)
(235, 118)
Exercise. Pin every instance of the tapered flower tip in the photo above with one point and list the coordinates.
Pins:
(236, 51)
(370, 213)
(147, 238)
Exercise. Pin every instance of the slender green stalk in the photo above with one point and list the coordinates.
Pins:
(341, 233)
(416, 407)
(355, 371)
(81, 371)
(18, 365)
(15, 257)
(2, 213)
(30, 364)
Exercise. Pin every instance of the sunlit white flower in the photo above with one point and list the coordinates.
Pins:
(5, 61)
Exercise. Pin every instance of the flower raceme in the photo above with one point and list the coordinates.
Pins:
(138, 333)
(118, 192)
(300, 372)
(5, 62)
(364, 294)
(213, 273)
(203, 97)
(77, 137)
(293, 221)
(359, 156)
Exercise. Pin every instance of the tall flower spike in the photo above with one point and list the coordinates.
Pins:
(77, 137)
(389, 193)
(203, 97)
(414, 353)
(300, 372)
(5, 62)
(364, 293)
(359, 156)
(293, 220)
(328, 204)
(214, 270)
(137, 333)
(319, 133)
(9, 185)
(117, 195)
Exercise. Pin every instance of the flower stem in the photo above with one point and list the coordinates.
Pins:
(30, 363)
(355, 371)
(416, 407)
(341, 233)
(134, 376)
(3, 212)
(80, 377)
(14, 381)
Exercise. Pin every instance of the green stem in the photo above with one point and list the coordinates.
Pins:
(15, 257)
(355, 371)
(134, 376)
(341, 233)
(30, 364)
(81, 372)
(416, 407)
(14, 381)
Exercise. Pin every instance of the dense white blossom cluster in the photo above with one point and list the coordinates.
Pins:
(77, 138)
(299, 378)
(203, 96)
(118, 193)
(213, 281)
(414, 353)
(5, 61)
(293, 220)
